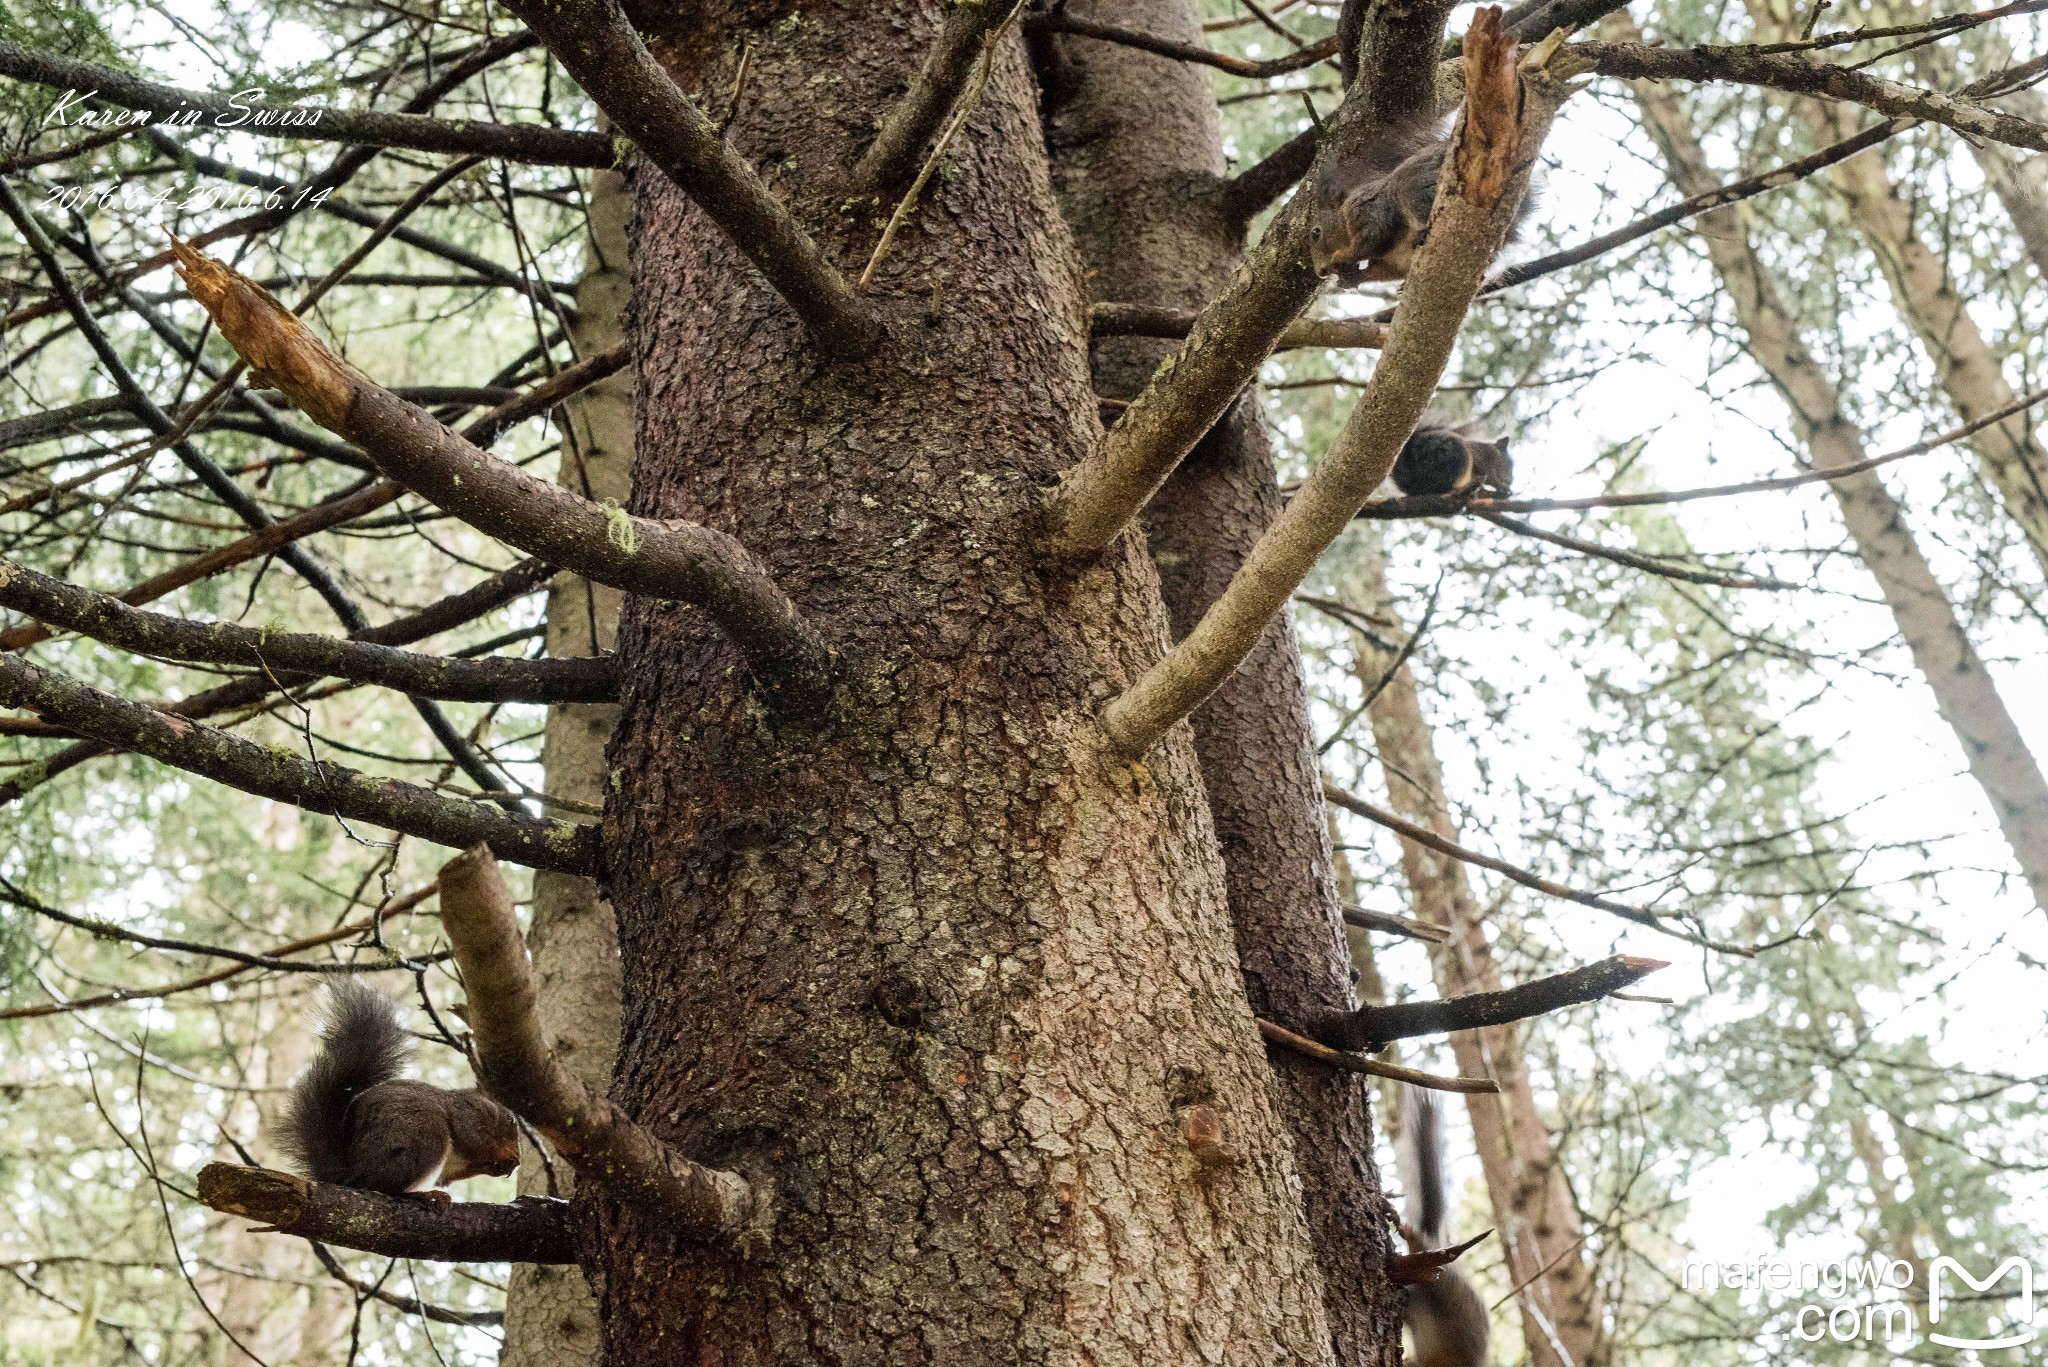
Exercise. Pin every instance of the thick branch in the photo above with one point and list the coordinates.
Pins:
(1372, 1028)
(1484, 177)
(58, 604)
(597, 45)
(518, 1068)
(886, 167)
(532, 1229)
(1257, 187)
(1150, 320)
(279, 774)
(674, 560)
(1799, 76)
(533, 143)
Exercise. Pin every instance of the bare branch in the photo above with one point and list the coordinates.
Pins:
(594, 41)
(1150, 320)
(315, 785)
(673, 560)
(1059, 21)
(1373, 1028)
(517, 1067)
(532, 1229)
(1372, 1067)
(533, 143)
(1642, 916)
(1396, 925)
(1799, 76)
(887, 166)
(1251, 191)
(56, 603)
(1484, 177)
(1636, 560)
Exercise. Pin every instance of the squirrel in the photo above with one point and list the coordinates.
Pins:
(1446, 1319)
(1439, 459)
(1372, 201)
(353, 1119)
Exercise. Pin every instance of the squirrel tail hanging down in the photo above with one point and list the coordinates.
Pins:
(355, 1119)
(1446, 1318)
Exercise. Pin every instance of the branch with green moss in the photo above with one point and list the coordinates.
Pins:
(681, 561)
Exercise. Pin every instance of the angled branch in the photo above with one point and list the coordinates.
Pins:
(601, 49)
(1637, 560)
(1151, 320)
(1058, 21)
(887, 166)
(536, 144)
(317, 786)
(1428, 839)
(603, 1144)
(674, 560)
(1799, 76)
(1391, 924)
(1371, 1067)
(1256, 188)
(1484, 176)
(1373, 1028)
(104, 618)
(532, 1229)
(526, 577)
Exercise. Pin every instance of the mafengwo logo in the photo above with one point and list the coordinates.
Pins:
(1862, 1300)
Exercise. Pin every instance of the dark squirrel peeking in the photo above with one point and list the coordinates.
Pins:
(1446, 1319)
(354, 1119)
(1372, 201)
(1439, 459)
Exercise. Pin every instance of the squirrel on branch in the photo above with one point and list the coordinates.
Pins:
(356, 1120)
(1439, 459)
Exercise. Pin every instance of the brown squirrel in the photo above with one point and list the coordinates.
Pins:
(1446, 1319)
(1439, 459)
(1372, 201)
(355, 1120)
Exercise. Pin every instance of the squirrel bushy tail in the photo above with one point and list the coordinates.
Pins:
(1422, 1165)
(362, 1043)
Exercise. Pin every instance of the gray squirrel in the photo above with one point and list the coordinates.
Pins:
(355, 1119)
(1372, 201)
(1445, 1317)
(1446, 460)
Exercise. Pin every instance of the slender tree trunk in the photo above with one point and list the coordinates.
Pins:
(1965, 366)
(1561, 1312)
(1965, 694)
(550, 1318)
(1138, 164)
(942, 978)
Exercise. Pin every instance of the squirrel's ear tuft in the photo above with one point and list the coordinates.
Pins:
(1501, 446)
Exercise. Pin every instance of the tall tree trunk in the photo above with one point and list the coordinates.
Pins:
(1137, 155)
(550, 1318)
(1560, 1304)
(1965, 694)
(1965, 366)
(933, 970)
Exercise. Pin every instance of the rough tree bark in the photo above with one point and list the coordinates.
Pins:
(1964, 692)
(941, 978)
(1561, 1314)
(550, 1318)
(1138, 164)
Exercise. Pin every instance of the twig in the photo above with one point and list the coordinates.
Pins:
(1359, 1063)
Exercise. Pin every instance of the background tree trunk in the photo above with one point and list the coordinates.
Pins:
(932, 970)
(1137, 157)
(1966, 695)
(550, 1318)
(1563, 1324)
